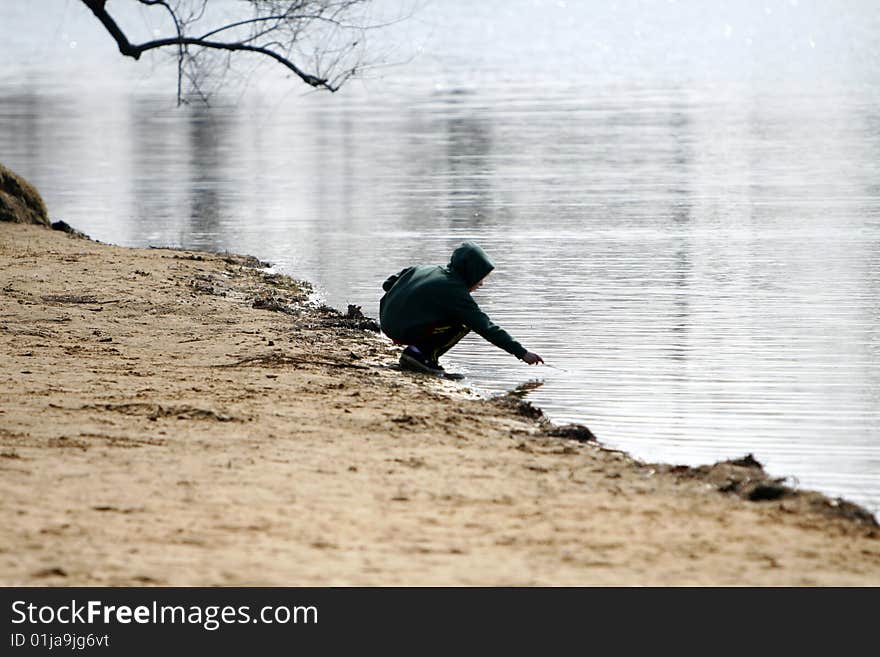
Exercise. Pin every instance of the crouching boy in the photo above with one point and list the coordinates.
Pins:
(430, 308)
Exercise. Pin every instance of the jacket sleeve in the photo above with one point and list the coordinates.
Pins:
(466, 310)
(391, 280)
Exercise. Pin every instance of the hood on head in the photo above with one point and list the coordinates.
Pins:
(471, 263)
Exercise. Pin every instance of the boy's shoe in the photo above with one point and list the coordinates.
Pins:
(414, 360)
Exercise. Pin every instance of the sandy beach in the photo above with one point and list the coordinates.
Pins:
(180, 418)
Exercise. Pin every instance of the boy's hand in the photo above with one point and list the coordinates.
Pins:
(532, 358)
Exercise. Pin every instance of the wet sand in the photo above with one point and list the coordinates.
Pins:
(175, 418)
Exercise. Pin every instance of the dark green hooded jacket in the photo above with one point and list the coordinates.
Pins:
(421, 297)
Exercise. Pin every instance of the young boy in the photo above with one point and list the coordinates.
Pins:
(430, 308)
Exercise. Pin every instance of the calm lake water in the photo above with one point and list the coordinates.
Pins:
(682, 199)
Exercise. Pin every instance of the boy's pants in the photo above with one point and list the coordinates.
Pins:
(440, 339)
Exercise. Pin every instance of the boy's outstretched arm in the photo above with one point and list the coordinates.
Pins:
(470, 314)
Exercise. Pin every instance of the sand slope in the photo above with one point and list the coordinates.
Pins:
(156, 428)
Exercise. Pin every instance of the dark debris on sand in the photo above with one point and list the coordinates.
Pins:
(573, 432)
(65, 227)
(745, 477)
(353, 318)
(519, 405)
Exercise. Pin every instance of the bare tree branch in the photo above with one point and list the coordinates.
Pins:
(278, 31)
